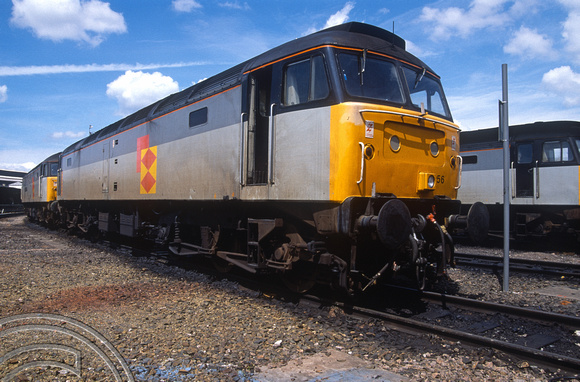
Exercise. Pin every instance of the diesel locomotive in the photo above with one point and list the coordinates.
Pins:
(545, 177)
(331, 158)
(39, 189)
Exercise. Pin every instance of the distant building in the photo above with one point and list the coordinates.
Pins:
(10, 184)
(11, 179)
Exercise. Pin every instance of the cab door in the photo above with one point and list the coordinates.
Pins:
(257, 151)
(524, 162)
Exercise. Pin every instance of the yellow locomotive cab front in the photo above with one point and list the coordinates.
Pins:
(372, 145)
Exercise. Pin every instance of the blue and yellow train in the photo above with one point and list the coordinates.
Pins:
(333, 157)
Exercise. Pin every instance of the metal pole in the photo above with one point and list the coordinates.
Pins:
(504, 123)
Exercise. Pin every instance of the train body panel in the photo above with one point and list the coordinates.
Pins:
(337, 149)
(544, 172)
(301, 156)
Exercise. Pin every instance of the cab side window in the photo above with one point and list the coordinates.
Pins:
(305, 81)
(525, 153)
(556, 151)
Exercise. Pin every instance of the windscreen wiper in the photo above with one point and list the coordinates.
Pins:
(419, 78)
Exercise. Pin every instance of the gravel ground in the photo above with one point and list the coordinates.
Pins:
(172, 324)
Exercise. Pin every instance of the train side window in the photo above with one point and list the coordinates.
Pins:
(469, 159)
(556, 151)
(305, 81)
(198, 117)
(525, 153)
(68, 162)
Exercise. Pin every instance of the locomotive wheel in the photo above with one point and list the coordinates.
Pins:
(302, 277)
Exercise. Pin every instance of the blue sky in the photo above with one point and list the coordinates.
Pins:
(69, 64)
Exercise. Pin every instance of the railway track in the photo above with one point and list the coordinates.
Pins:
(541, 357)
(416, 324)
(519, 265)
(530, 348)
(8, 214)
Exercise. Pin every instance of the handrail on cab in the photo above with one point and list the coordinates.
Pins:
(362, 162)
(419, 117)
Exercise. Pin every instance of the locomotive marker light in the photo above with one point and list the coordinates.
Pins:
(426, 182)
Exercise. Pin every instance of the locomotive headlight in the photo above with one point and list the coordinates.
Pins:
(395, 143)
(434, 148)
(426, 182)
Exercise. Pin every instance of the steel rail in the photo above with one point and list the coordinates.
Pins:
(521, 265)
(541, 357)
(493, 307)
(10, 214)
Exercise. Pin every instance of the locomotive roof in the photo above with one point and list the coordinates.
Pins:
(353, 34)
(528, 131)
(51, 159)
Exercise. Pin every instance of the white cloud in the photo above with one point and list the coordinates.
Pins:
(530, 44)
(469, 116)
(339, 17)
(571, 33)
(235, 5)
(134, 90)
(417, 51)
(3, 93)
(58, 20)
(480, 15)
(572, 4)
(185, 5)
(25, 167)
(564, 82)
(524, 7)
(68, 134)
(59, 69)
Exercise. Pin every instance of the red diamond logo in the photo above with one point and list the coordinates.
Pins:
(148, 159)
(148, 182)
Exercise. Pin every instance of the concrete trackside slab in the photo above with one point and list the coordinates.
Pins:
(337, 366)
(559, 291)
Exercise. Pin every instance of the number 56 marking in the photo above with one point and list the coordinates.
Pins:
(440, 179)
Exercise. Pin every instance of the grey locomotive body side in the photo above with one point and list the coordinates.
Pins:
(544, 171)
